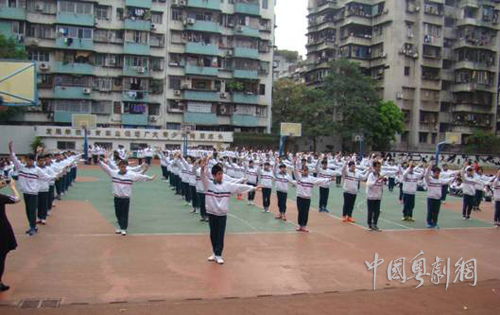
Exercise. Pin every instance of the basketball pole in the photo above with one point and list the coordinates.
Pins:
(282, 145)
(85, 145)
(438, 148)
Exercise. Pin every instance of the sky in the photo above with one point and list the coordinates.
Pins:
(292, 25)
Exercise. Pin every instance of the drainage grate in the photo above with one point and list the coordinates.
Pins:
(29, 304)
(51, 303)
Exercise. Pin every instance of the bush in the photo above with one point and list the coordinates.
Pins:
(257, 141)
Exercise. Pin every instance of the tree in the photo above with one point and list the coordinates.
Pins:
(389, 122)
(482, 142)
(290, 55)
(353, 97)
(8, 50)
(296, 103)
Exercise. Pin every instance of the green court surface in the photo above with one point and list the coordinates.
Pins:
(391, 210)
(156, 210)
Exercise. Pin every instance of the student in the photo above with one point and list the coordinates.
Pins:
(217, 194)
(29, 176)
(43, 191)
(445, 174)
(469, 182)
(374, 191)
(251, 173)
(53, 172)
(352, 178)
(410, 180)
(282, 178)
(148, 154)
(266, 182)
(434, 191)
(200, 193)
(496, 197)
(163, 164)
(481, 181)
(391, 170)
(324, 189)
(122, 181)
(8, 240)
(95, 154)
(305, 184)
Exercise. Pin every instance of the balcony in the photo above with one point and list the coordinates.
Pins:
(205, 71)
(244, 98)
(201, 95)
(202, 49)
(135, 96)
(74, 43)
(241, 52)
(246, 31)
(247, 8)
(72, 92)
(200, 118)
(75, 19)
(138, 3)
(63, 116)
(472, 87)
(464, 64)
(472, 108)
(131, 71)
(136, 49)
(204, 4)
(360, 40)
(244, 120)
(12, 13)
(139, 25)
(204, 26)
(73, 68)
(135, 119)
(245, 74)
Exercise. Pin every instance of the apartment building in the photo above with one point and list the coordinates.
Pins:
(436, 59)
(153, 64)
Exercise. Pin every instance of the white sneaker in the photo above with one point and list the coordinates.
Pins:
(219, 260)
(118, 231)
(124, 232)
(211, 258)
(249, 203)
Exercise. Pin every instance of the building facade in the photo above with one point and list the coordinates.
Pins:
(154, 64)
(436, 59)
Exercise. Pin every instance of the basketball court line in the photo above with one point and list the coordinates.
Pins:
(155, 234)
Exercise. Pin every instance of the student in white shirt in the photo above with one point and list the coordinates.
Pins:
(351, 177)
(251, 173)
(374, 190)
(217, 194)
(122, 181)
(496, 197)
(282, 178)
(434, 191)
(410, 180)
(266, 182)
(323, 172)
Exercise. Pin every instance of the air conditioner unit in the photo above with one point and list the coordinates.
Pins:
(383, 55)
(229, 53)
(141, 69)
(223, 95)
(39, 7)
(399, 96)
(415, 55)
(248, 93)
(87, 91)
(43, 66)
(185, 86)
(33, 42)
(417, 9)
(177, 92)
(380, 71)
(153, 118)
(175, 2)
(182, 2)
(190, 21)
(153, 27)
(239, 28)
(20, 38)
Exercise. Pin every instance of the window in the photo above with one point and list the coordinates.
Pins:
(262, 111)
(176, 14)
(407, 71)
(434, 138)
(174, 83)
(262, 89)
(422, 137)
(75, 7)
(173, 126)
(75, 32)
(265, 4)
(156, 18)
(117, 107)
(38, 55)
(101, 107)
(154, 109)
(101, 12)
(199, 107)
(66, 145)
(119, 13)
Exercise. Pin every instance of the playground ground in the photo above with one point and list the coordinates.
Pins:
(77, 265)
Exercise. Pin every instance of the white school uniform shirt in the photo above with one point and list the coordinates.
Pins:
(352, 179)
(469, 184)
(217, 194)
(266, 178)
(410, 181)
(496, 189)
(121, 184)
(252, 174)
(481, 181)
(434, 185)
(122, 154)
(148, 152)
(282, 180)
(306, 184)
(29, 177)
(44, 185)
(326, 174)
(374, 187)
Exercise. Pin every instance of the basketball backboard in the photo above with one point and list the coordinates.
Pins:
(18, 86)
(291, 130)
(84, 121)
(453, 138)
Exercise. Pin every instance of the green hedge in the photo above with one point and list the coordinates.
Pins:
(256, 140)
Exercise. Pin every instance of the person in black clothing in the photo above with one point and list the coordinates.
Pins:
(8, 240)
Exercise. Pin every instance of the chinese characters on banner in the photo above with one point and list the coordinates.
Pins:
(439, 269)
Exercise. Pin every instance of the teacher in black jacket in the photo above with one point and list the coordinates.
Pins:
(8, 240)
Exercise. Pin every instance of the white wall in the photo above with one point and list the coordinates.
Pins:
(21, 135)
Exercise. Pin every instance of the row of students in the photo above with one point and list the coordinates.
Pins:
(39, 179)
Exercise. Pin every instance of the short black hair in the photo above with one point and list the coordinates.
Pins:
(30, 157)
(282, 166)
(436, 169)
(351, 163)
(216, 169)
(123, 162)
(325, 161)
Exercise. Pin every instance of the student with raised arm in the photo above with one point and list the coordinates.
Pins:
(266, 182)
(217, 194)
(282, 179)
(305, 184)
(469, 182)
(121, 185)
(351, 177)
(251, 173)
(7, 237)
(410, 180)
(434, 194)
(29, 176)
(323, 172)
(374, 191)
